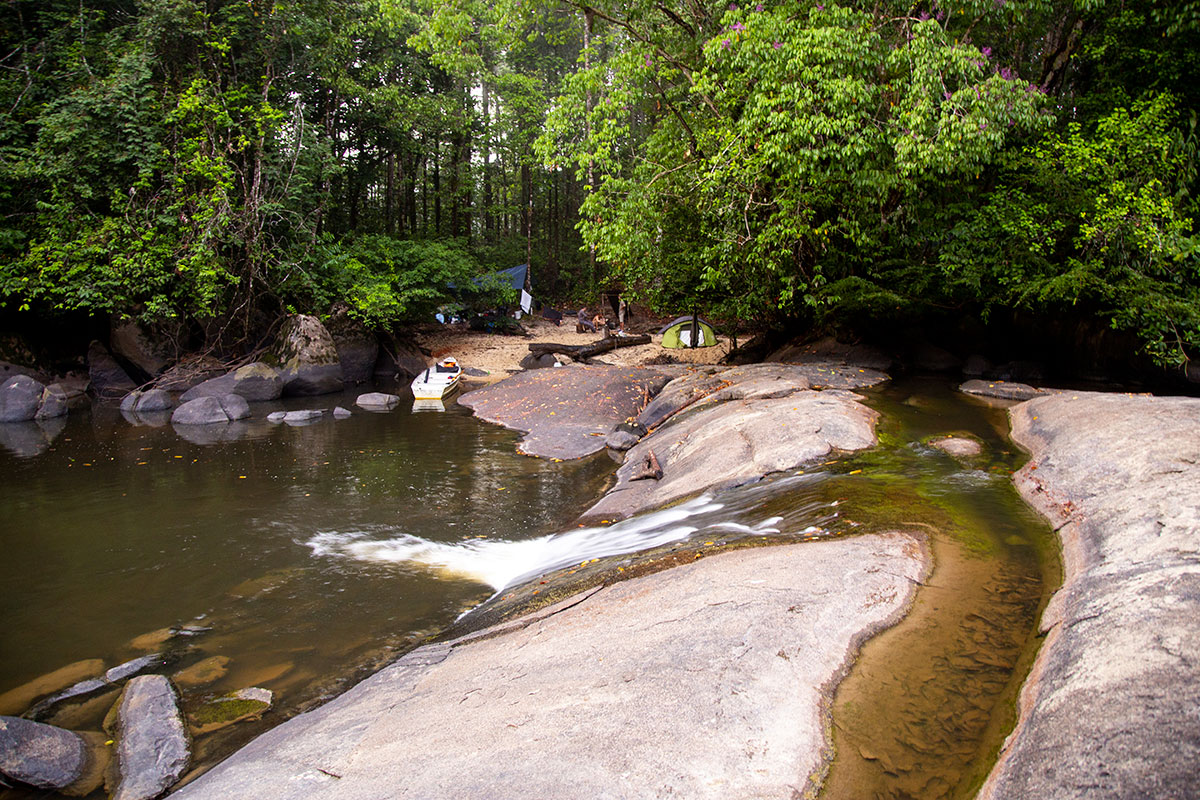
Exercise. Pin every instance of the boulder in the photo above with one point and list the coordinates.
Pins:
(151, 741)
(150, 349)
(400, 358)
(223, 711)
(303, 417)
(54, 403)
(341, 413)
(20, 398)
(624, 436)
(40, 755)
(147, 402)
(535, 361)
(377, 400)
(257, 382)
(134, 667)
(307, 357)
(109, 380)
(211, 410)
(357, 348)
(976, 366)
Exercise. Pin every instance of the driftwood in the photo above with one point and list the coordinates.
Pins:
(648, 469)
(582, 352)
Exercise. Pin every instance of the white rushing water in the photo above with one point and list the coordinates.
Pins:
(500, 563)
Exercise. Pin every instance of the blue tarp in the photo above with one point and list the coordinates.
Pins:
(515, 275)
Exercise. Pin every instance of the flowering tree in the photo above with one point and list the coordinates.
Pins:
(754, 156)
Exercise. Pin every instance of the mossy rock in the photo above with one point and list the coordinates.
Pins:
(227, 709)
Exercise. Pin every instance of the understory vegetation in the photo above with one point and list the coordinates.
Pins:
(792, 163)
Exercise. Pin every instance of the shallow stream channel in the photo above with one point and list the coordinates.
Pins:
(300, 559)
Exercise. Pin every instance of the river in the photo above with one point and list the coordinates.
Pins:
(309, 556)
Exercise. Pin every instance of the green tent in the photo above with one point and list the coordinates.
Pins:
(689, 331)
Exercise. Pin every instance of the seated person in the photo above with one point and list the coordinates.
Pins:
(583, 324)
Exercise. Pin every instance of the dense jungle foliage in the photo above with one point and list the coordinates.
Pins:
(787, 162)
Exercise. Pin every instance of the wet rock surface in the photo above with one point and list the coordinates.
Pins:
(568, 412)
(752, 421)
(210, 410)
(152, 746)
(705, 681)
(1109, 710)
(20, 397)
(1002, 390)
(40, 755)
(307, 357)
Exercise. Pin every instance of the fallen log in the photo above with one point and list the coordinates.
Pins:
(582, 352)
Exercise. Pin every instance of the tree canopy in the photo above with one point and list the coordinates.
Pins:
(799, 162)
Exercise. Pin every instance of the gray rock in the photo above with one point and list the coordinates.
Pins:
(109, 380)
(73, 693)
(341, 413)
(154, 400)
(257, 382)
(1110, 708)
(40, 755)
(357, 348)
(54, 403)
(722, 444)
(533, 361)
(148, 348)
(1001, 390)
(134, 667)
(307, 357)
(234, 406)
(707, 681)
(20, 397)
(624, 436)
(678, 395)
(400, 358)
(303, 417)
(276, 416)
(377, 400)
(587, 401)
(213, 387)
(152, 745)
(958, 446)
(205, 410)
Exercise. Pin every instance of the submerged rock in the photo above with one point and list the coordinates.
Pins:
(228, 709)
(958, 446)
(152, 745)
(16, 701)
(202, 673)
(40, 755)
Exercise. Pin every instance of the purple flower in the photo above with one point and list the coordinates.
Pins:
(725, 43)
(1006, 74)
(733, 6)
(777, 45)
(820, 7)
(737, 26)
(983, 125)
(939, 15)
(987, 52)
(946, 95)
(924, 16)
(758, 7)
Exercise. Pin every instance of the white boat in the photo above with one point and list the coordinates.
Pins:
(437, 381)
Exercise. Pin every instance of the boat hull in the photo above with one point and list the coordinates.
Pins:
(434, 385)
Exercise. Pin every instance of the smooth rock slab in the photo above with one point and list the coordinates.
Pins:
(152, 745)
(567, 413)
(210, 410)
(705, 681)
(1112, 706)
(724, 444)
(40, 755)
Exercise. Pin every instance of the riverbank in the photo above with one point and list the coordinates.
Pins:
(1109, 710)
